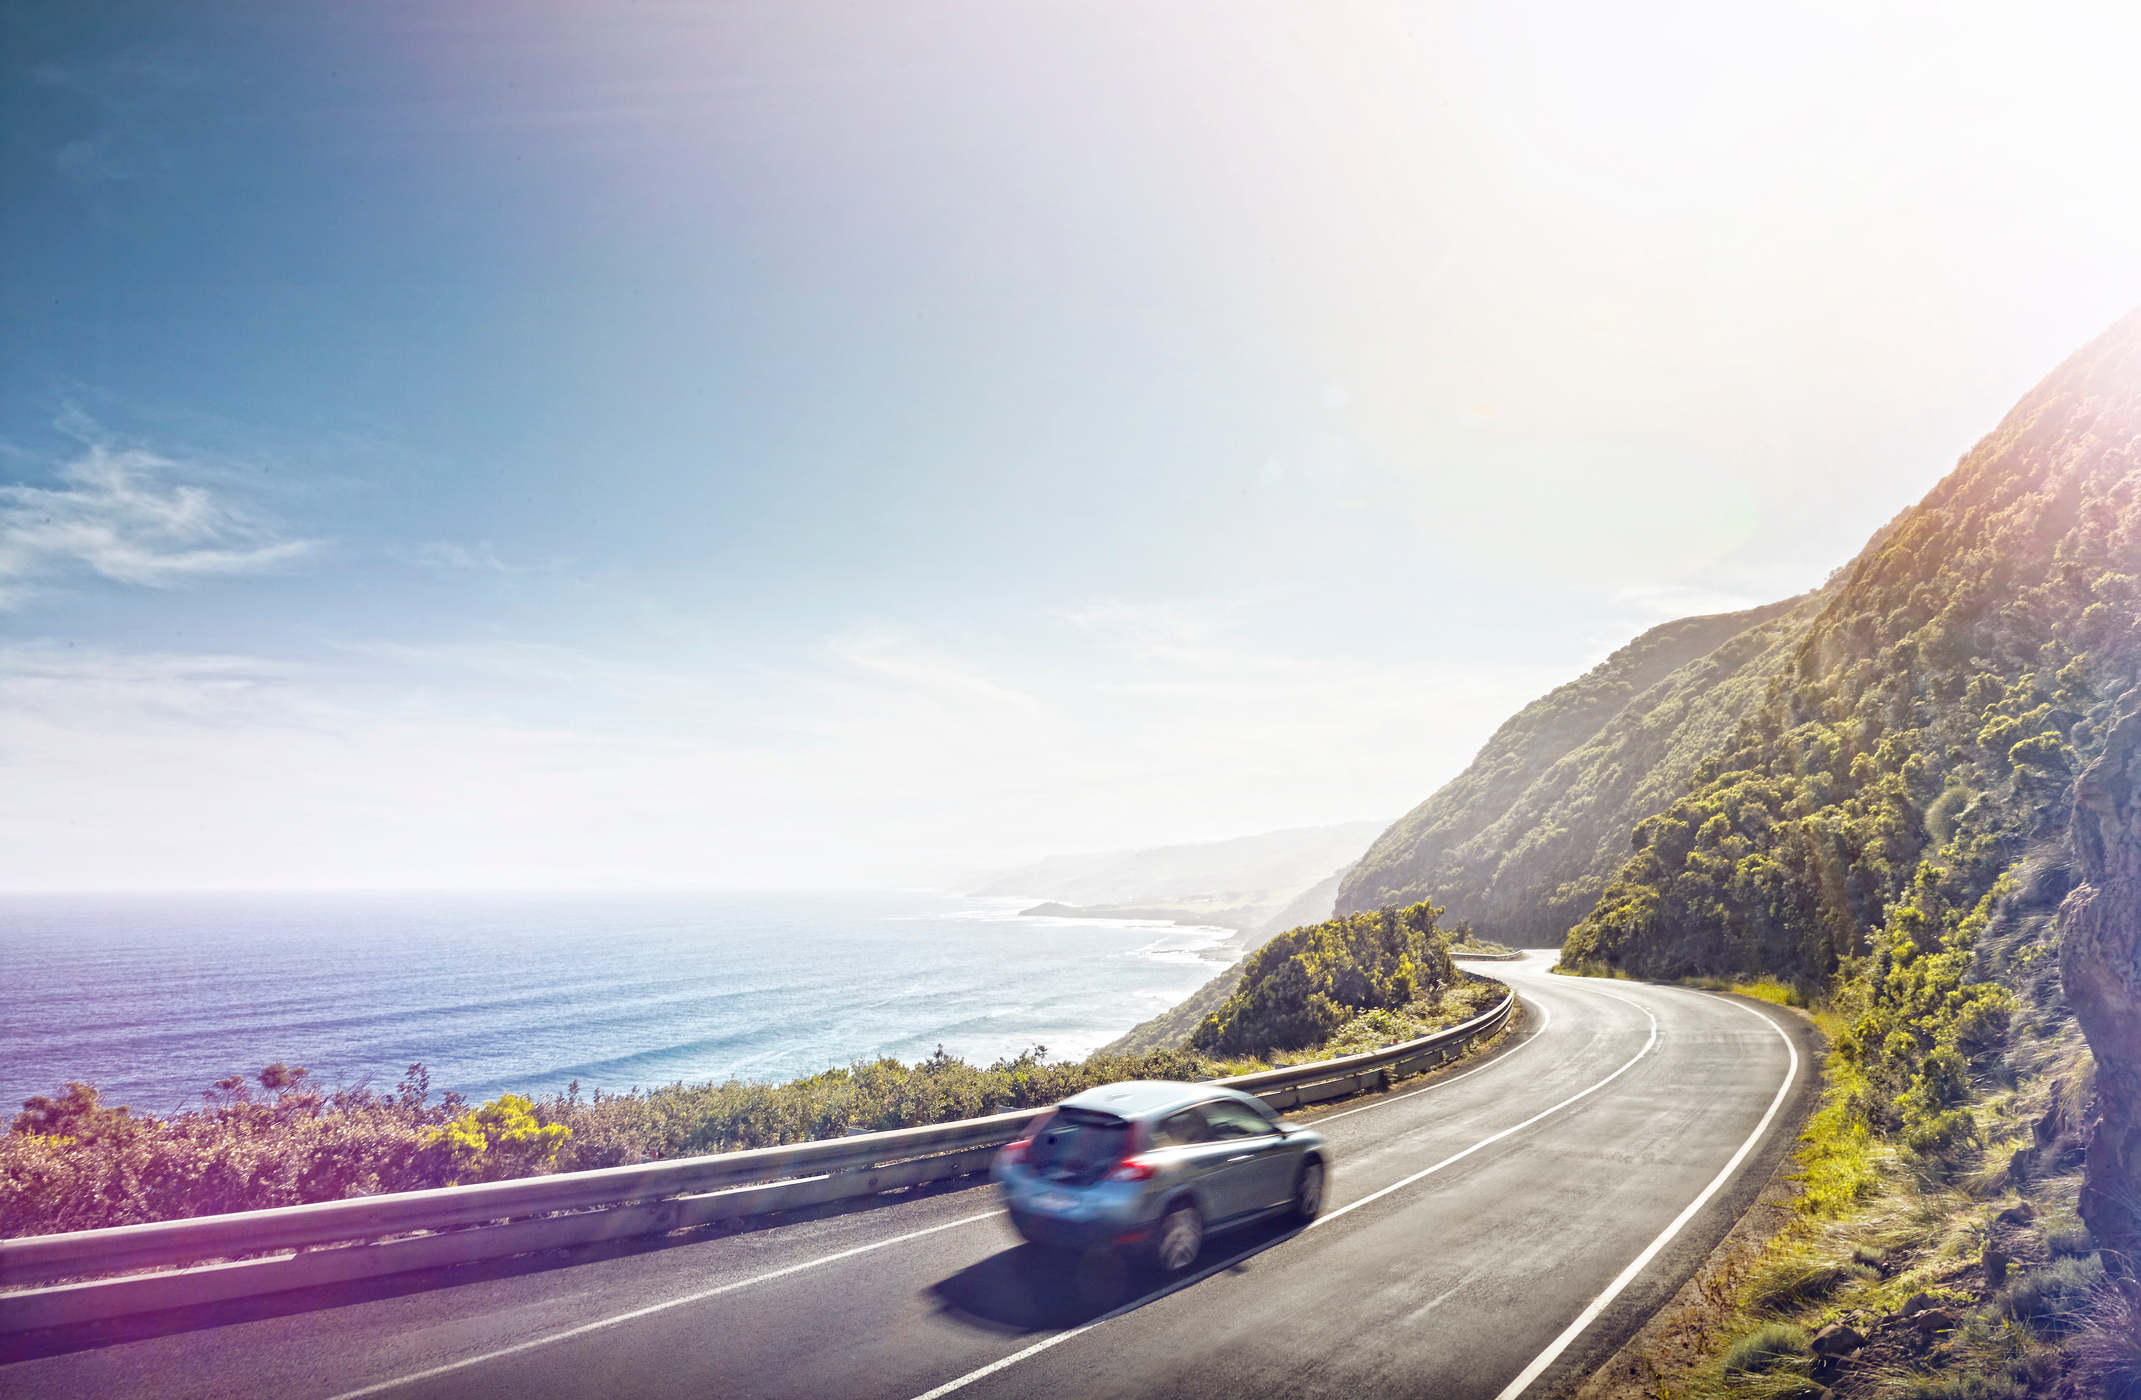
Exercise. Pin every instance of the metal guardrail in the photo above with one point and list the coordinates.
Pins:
(201, 1260)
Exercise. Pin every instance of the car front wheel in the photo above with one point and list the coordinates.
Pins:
(1181, 1237)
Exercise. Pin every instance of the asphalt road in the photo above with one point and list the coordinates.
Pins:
(1497, 1231)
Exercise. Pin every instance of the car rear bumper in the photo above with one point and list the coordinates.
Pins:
(1057, 1233)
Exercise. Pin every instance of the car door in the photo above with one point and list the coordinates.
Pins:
(1253, 1168)
(1199, 1155)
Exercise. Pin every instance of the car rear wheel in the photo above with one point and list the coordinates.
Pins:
(1181, 1237)
(1308, 1191)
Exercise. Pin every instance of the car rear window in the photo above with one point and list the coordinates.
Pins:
(1079, 1145)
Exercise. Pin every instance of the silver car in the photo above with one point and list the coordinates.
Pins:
(1152, 1166)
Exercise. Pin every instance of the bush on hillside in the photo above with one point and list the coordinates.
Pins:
(71, 1162)
(501, 1140)
(1372, 1030)
(1302, 986)
(681, 1120)
(2050, 1299)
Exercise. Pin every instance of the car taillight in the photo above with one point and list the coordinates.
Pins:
(1133, 1169)
(1015, 1151)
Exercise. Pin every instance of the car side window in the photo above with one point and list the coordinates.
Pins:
(1179, 1129)
(1233, 1120)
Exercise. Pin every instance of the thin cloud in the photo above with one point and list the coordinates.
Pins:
(479, 557)
(117, 514)
(125, 91)
(890, 657)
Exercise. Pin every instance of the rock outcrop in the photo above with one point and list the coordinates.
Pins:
(2100, 971)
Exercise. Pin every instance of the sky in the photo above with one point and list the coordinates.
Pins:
(539, 444)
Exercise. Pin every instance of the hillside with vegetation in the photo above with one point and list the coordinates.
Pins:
(1301, 986)
(1925, 829)
(1522, 842)
(1928, 724)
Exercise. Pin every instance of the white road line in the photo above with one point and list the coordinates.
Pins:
(698, 1297)
(1495, 1063)
(1627, 1276)
(1045, 1343)
(1351, 1206)
(1130, 1307)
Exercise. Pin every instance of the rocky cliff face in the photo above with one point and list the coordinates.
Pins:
(2100, 971)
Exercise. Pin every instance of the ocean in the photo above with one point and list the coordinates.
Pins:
(153, 998)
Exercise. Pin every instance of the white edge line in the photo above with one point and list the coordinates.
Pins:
(700, 1296)
(961, 1382)
(1627, 1276)
(1495, 1063)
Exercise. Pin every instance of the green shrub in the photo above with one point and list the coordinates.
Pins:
(1464, 940)
(1302, 986)
(77, 1116)
(71, 1164)
(1371, 1030)
(2041, 749)
(501, 1140)
(681, 1119)
(2051, 1299)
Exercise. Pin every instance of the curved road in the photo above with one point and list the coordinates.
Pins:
(1496, 1232)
